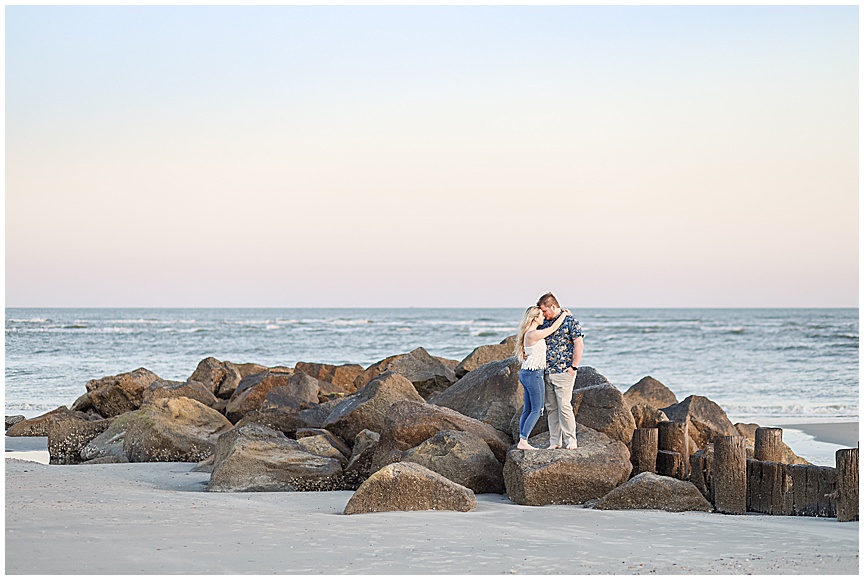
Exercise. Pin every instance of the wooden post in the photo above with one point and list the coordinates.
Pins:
(730, 474)
(644, 451)
(701, 468)
(768, 488)
(847, 485)
(672, 436)
(769, 444)
(670, 464)
(813, 490)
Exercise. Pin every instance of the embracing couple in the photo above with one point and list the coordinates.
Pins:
(549, 345)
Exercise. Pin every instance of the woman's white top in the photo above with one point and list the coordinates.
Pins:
(535, 356)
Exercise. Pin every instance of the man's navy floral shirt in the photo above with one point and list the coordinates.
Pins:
(559, 344)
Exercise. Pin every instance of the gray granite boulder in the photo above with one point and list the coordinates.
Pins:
(320, 445)
(705, 419)
(332, 439)
(341, 376)
(589, 377)
(118, 394)
(566, 476)
(650, 391)
(109, 443)
(409, 487)
(162, 389)
(649, 491)
(491, 393)
(410, 423)
(362, 457)
(298, 391)
(255, 458)
(485, 354)
(177, 429)
(461, 457)
(428, 375)
(602, 408)
(220, 378)
(251, 392)
(13, 419)
(68, 436)
(367, 408)
(41, 426)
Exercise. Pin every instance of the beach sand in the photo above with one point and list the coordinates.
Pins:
(156, 518)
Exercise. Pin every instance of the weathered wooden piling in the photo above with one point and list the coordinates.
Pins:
(672, 437)
(813, 490)
(847, 484)
(730, 475)
(769, 444)
(670, 464)
(701, 465)
(643, 454)
(768, 488)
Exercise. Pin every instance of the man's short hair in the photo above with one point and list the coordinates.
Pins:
(548, 300)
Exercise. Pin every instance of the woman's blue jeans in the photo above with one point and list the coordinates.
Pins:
(535, 388)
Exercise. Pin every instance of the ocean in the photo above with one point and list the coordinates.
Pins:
(791, 364)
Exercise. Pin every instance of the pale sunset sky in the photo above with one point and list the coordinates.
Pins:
(453, 156)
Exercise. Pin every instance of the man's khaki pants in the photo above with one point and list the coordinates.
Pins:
(559, 410)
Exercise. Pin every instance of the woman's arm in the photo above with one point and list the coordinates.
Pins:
(538, 334)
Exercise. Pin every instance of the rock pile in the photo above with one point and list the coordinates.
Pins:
(410, 432)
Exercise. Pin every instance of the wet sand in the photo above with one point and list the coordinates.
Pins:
(843, 434)
(155, 518)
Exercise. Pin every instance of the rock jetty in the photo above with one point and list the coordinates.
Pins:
(410, 432)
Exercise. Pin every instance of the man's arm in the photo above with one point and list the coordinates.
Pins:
(578, 347)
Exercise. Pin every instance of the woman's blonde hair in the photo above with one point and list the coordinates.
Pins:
(530, 314)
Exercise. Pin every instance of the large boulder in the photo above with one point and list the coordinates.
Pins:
(461, 457)
(646, 416)
(286, 422)
(14, 419)
(490, 393)
(566, 476)
(362, 457)
(299, 391)
(650, 391)
(118, 394)
(649, 491)
(68, 436)
(323, 447)
(705, 419)
(589, 377)
(251, 392)
(220, 378)
(341, 376)
(332, 439)
(485, 354)
(601, 407)
(177, 429)
(255, 458)
(41, 426)
(410, 423)
(408, 487)
(428, 375)
(162, 389)
(748, 431)
(367, 408)
(108, 445)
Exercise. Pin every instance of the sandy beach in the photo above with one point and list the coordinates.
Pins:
(155, 518)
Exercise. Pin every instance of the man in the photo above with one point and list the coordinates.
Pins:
(563, 352)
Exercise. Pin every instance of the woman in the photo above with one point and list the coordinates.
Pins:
(531, 351)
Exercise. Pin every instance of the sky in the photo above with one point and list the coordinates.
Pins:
(296, 156)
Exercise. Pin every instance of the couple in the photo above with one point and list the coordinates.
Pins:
(549, 344)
